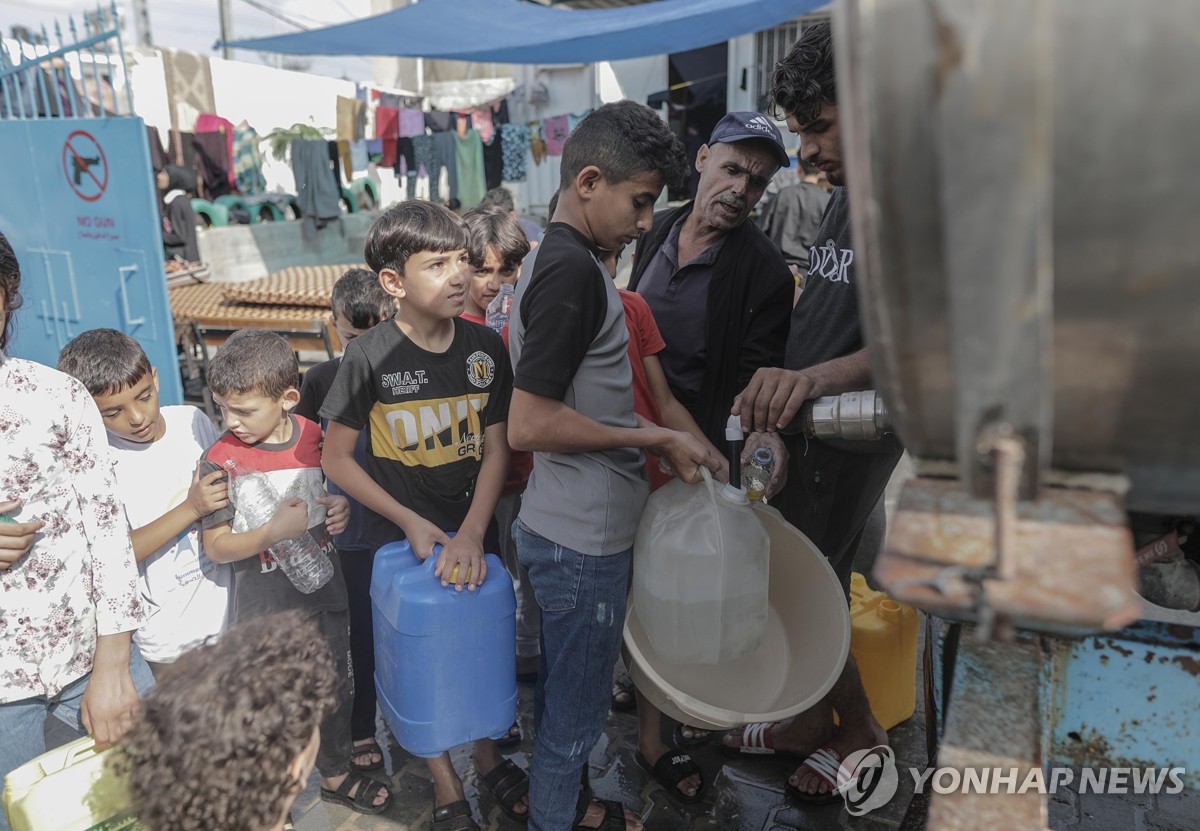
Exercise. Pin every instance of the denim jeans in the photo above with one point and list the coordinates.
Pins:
(26, 731)
(582, 600)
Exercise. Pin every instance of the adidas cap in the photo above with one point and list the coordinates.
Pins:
(735, 127)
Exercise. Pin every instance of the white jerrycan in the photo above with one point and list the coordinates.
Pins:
(700, 572)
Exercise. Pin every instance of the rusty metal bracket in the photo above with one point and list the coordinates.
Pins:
(1069, 554)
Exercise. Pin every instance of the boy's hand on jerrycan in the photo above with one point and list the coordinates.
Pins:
(289, 521)
(462, 562)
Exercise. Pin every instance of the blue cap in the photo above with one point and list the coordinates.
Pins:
(735, 127)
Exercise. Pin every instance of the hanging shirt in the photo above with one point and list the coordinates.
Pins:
(557, 128)
(412, 123)
(472, 177)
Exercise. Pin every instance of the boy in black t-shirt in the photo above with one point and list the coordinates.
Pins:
(358, 303)
(433, 391)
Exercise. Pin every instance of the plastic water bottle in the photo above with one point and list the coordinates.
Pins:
(499, 310)
(300, 558)
(757, 473)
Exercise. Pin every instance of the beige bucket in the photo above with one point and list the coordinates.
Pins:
(799, 659)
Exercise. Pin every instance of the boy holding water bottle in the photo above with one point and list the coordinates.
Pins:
(253, 380)
(432, 390)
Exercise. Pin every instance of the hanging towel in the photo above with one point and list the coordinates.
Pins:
(350, 117)
(347, 163)
(557, 128)
(247, 162)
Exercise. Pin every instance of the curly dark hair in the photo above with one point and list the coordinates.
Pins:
(805, 78)
(219, 730)
(10, 287)
(623, 139)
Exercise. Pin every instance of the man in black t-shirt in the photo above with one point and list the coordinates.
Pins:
(832, 487)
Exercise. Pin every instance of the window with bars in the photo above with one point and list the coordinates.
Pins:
(770, 45)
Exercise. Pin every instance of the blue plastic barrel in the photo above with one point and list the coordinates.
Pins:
(445, 661)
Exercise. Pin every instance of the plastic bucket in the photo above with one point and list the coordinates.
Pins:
(798, 661)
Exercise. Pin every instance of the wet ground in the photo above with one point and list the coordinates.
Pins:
(744, 794)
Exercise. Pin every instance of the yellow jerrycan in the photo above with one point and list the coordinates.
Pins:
(883, 641)
(69, 788)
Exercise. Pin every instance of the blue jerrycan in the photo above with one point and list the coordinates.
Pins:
(445, 661)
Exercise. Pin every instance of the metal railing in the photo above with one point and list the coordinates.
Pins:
(81, 75)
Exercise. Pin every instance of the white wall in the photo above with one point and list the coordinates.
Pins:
(270, 98)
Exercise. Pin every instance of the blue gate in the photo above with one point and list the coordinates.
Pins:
(80, 205)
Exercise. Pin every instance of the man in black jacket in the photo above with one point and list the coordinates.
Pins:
(720, 290)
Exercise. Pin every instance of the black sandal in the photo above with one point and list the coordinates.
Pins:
(454, 816)
(363, 800)
(507, 784)
(624, 686)
(366, 747)
(614, 817)
(671, 769)
(681, 740)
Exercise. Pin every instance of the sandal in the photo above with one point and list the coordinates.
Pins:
(681, 740)
(369, 748)
(363, 800)
(623, 686)
(614, 817)
(507, 784)
(671, 769)
(826, 763)
(511, 738)
(454, 816)
(756, 740)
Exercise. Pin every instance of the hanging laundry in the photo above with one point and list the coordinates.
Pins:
(438, 121)
(463, 123)
(209, 123)
(158, 156)
(375, 150)
(247, 162)
(412, 122)
(481, 120)
(343, 149)
(317, 193)
(389, 152)
(358, 155)
(557, 129)
(537, 144)
(406, 161)
(425, 154)
(351, 119)
(500, 111)
(446, 151)
(212, 152)
(472, 183)
(514, 143)
(493, 163)
(387, 122)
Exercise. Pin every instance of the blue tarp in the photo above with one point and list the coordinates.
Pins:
(516, 31)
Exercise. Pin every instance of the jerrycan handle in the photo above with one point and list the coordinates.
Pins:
(430, 564)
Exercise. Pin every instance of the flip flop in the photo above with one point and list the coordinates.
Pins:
(756, 741)
(366, 747)
(681, 740)
(507, 784)
(826, 763)
(363, 800)
(671, 769)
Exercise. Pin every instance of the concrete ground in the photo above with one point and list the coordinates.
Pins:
(744, 794)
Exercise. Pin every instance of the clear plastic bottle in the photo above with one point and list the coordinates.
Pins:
(757, 473)
(499, 310)
(300, 558)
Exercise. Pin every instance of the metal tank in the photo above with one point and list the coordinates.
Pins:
(1026, 197)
